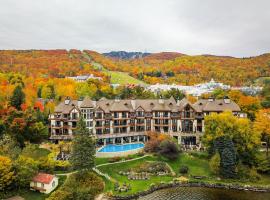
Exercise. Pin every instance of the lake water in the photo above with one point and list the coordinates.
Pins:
(196, 193)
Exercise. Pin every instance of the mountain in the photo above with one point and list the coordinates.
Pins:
(125, 55)
(164, 56)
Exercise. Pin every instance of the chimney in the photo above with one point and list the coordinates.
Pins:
(67, 100)
(227, 100)
(211, 99)
(80, 100)
(161, 101)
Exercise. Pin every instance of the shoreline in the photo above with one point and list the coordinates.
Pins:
(192, 184)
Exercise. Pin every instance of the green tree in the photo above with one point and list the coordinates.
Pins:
(245, 139)
(175, 93)
(37, 132)
(25, 168)
(17, 98)
(83, 148)
(228, 163)
(8, 147)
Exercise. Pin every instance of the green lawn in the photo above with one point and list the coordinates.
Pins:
(37, 153)
(197, 163)
(121, 78)
(136, 185)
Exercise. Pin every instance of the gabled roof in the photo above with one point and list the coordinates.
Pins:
(87, 103)
(66, 108)
(43, 178)
(218, 105)
(184, 102)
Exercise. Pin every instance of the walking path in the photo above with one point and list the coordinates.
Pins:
(104, 164)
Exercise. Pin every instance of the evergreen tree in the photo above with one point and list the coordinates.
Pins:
(83, 148)
(17, 98)
(227, 153)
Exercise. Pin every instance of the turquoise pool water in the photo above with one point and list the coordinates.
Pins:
(121, 148)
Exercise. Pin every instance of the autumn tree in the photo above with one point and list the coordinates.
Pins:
(226, 132)
(262, 125)
(152, 145)
(17, 98)
(6, 172)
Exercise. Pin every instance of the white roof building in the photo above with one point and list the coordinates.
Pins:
(196, 90)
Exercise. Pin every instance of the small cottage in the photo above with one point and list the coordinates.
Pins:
(44, 183)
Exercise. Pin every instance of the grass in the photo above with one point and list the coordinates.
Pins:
(37, 153)
(136, 185)
(121, 78)
(197, 166)
(197, 163)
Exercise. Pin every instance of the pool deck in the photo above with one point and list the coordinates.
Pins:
(119, 153)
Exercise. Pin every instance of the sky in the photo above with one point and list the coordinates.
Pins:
(239, 28)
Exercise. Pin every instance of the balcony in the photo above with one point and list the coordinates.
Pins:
(57, 126)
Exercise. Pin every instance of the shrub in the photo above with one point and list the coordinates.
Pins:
(183, 169)
(129, 157)
(215, 163)
(169, 149)
(114, 159)
(246, 173)
(141, 153)
(83, 185)
(152, 145)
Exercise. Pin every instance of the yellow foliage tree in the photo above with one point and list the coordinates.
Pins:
(6, 172)
(262, 125)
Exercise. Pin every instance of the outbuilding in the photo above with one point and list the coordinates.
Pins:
(44, 183)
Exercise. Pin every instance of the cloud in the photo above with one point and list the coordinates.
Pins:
(232, 27)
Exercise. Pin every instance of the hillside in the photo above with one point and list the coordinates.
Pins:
(164, 67)
(185, 69)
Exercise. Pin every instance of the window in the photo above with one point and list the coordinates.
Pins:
(53, 183)
(42, 185)
(187, 126)
(35, 184)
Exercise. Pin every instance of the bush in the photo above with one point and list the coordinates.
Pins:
(83, 185)
(114, 159)
(246, 173)
(183, 169)
(169, 149)
(215, 163)
(129, 157)
(141, 153)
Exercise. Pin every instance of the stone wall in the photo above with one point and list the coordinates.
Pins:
(192, 184)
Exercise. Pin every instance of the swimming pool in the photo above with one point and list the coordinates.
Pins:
(121, 148)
